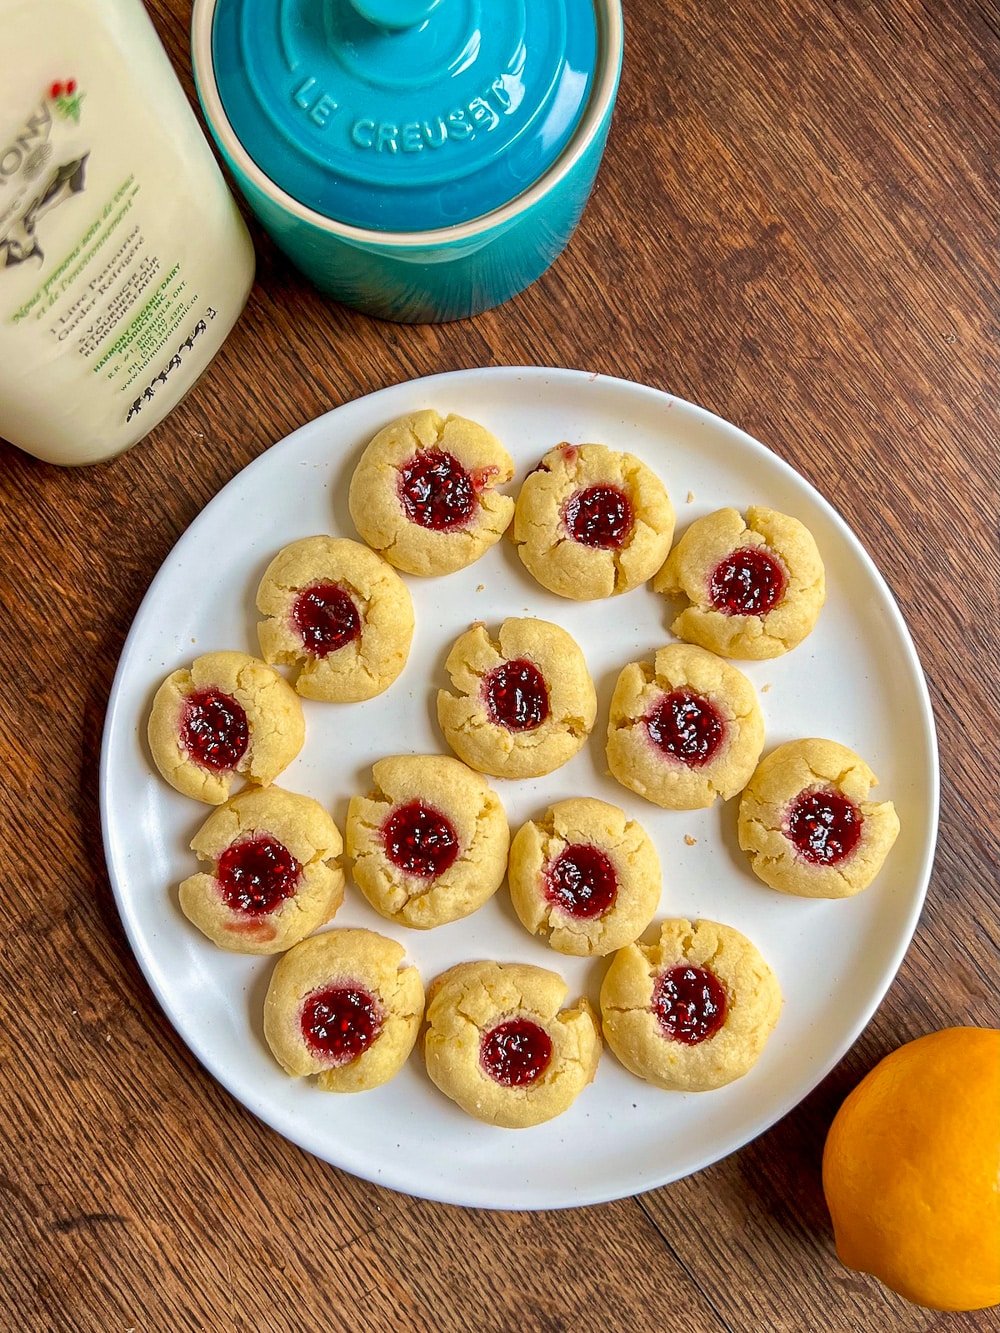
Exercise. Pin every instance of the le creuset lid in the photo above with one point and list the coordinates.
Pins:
(404, 115)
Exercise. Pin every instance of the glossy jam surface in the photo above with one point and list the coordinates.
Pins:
(581, 881)
(686, 726)
(419, 840)
(515, 1053)
(214, 730)
(339, 1023)
(326, 618)
(749, 582)
(436, 491)
(824, 826)
(516, 695)
(689, 1004)
(257, 875)
(599, 516)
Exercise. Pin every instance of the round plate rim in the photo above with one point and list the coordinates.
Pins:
(439, 383)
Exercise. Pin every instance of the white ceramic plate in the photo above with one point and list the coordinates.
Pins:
(855, 679)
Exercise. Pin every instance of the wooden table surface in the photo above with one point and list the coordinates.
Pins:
(796, 225)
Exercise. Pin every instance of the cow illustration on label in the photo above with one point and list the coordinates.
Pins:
(19, 240)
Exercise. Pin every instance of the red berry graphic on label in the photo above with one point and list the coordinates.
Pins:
(66, 98)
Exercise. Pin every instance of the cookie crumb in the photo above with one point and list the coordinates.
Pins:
(691, 842)
(690, 497)
(764, 688)
(480, 587)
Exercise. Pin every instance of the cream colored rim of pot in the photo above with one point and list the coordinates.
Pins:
(610, 19)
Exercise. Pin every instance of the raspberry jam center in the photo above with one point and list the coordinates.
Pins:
(339, 1023)
(599, 516)
(257, 875)
(748, 582)
(689, 1004)
(214, 729)
(419, 840)
(686, 726)
(825, 826)
(581, 881)
(436, 491)
(326, 618)
(516, 696)
(515, 1053)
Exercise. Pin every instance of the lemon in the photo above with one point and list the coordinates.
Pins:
(911, 1171)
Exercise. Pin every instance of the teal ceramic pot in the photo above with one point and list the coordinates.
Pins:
(420, 160)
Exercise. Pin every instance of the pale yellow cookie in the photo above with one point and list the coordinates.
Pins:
(524, 703)
(424, 494)
(225, 717)
(755, 587)
(429, 842)
(339, 614)
(584, 876)
(684, 730)
(273, 879)
(499, 1044)
(807, 824)
(344, 1006)
(693, 1011)
(591, 522)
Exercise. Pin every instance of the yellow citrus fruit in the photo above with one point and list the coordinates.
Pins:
(911, 1171)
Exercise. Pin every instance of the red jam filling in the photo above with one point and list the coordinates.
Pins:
(419, 840)
(436, 491)
(581, 881)
(482, 477)
(686, 726)
(257, 875)
(214, 729)
(325, 617)
(748, 582)
(689, 1004)
(599, 516)
(339, 1023)
(515, 1053)
(824, 825)
(516, 696)
(255, 928)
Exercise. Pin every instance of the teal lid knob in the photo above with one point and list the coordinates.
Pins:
(395, 14)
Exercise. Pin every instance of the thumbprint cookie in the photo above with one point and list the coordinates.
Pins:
(338, 614)
(755, 586)
(228, 716)
(272, 878)
(522, 703)
(685, 729)
(807, 824)
(429, 841)
(693, 1011)
(424, 493)
(499, 1043)
(345, 1007)
(591, 522)
(584, 876)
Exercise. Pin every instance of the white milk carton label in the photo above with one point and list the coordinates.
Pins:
(123, 260)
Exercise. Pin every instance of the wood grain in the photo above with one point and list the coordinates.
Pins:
(796, 226)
